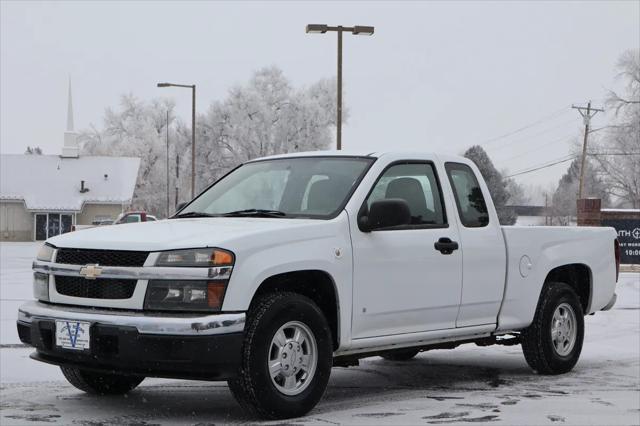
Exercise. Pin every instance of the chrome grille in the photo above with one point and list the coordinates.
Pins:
(73, 256)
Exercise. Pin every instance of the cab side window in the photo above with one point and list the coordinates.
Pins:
(132, 218)
(415, 183)
(472, 207)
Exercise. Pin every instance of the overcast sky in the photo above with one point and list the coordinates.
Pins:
(436, 76)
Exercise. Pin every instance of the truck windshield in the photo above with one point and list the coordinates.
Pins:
(312, 187)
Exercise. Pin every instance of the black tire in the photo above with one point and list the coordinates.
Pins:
(537, 343)
(253, 387)
(401, 354)
(100, 383)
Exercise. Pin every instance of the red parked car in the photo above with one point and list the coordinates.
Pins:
(134, 217)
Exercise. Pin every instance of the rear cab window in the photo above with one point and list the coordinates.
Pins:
(470, 201)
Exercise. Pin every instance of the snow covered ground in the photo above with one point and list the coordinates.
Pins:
(467, 385)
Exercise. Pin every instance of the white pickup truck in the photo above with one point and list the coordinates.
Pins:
(292, 264)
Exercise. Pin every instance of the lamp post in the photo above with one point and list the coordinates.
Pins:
(167, 129)
(193, 130)
(356, 30)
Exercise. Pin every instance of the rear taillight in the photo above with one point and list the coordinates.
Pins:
(616, 250)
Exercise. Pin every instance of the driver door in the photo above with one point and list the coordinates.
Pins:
(402, 284)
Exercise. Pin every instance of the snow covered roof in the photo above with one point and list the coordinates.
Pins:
(50, 182)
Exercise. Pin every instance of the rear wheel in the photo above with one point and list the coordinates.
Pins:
(553, 342)
(401, 354)
(287, 356)
(100, 383)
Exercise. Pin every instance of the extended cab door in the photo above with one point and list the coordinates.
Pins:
(482, 244)
(402, 283)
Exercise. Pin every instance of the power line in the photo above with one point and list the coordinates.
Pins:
(612, 153)
(566, 138)
(513, 141)
(528, 126)
(565, 159)
(544, 166)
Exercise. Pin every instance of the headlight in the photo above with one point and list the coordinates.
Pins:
(190, 295)
(185, 295)
(196, 257)
(45, 253)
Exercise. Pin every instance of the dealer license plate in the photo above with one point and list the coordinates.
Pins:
(72, 335)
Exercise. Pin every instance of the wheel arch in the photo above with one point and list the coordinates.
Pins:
(578, 276)
(317, 285)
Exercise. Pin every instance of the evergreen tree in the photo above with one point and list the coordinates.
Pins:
(495, 181)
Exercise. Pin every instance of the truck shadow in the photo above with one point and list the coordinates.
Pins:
(374, 381)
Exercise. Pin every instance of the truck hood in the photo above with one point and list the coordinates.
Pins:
(171, 234)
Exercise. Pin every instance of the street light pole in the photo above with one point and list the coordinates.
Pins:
(193, 131)
(339, 94)
(357, 30)
(193, 142)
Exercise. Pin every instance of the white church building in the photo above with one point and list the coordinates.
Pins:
(46, 195)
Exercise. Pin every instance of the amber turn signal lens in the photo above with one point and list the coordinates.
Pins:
(221, 258)
(215, 294)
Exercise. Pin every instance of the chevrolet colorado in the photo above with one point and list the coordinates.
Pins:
(289, 265)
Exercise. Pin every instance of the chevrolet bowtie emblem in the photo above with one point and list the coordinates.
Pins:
(91, 272)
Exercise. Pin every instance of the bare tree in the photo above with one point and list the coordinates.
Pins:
(36, 150)
(618, 152)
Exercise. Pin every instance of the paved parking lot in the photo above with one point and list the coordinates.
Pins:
(467, 385)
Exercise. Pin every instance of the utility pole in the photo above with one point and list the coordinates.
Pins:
(167, 163)
(546, 209)
(586, 113)
(177, 177)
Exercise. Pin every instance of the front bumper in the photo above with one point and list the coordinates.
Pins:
(131, 342)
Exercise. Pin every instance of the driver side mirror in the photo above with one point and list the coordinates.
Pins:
(180, 206)
(384, 214)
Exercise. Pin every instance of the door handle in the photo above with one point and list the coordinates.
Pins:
(445, 245)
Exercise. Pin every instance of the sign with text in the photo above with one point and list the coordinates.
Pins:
(629, 237)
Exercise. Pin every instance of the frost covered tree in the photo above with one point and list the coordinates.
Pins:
(137, 129)
(518, 195)
(618, 154)
(563, 205)
(495, 181)
(266, 116)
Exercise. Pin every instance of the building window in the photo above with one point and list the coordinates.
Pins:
(49, 225)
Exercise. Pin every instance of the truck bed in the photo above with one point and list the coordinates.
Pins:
(533, 252)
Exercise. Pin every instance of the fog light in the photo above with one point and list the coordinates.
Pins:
(41, 286)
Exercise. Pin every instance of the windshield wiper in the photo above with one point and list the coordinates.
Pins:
(195, 214)
(255, 213)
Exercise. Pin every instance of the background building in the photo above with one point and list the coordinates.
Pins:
(45, 195)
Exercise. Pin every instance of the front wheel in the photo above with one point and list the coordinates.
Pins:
(287, 356)
(553, 342)
(100, 383)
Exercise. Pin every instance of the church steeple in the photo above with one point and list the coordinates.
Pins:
(70, 110)
(70, 148)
